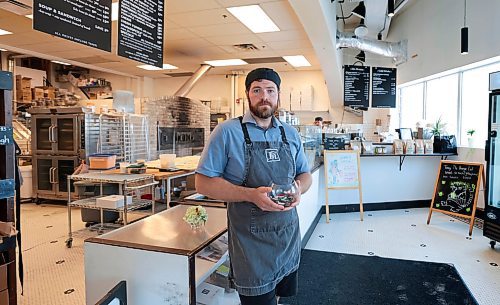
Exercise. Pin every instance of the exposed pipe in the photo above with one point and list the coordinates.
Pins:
(397, 50)
(188, 85)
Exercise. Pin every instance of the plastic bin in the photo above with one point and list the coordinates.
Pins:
(102, 161)
(27, 186)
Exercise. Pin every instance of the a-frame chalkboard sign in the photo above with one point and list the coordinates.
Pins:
(456, 190)
(342, 172)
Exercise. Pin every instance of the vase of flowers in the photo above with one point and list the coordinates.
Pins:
(196, 217)
(470, 139)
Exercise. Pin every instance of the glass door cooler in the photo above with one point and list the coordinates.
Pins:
(492, 156)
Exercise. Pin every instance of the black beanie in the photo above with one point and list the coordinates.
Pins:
(262, 73)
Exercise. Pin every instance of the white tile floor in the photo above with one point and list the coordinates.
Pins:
(54, 274)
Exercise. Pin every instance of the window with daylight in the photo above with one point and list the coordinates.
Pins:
(441, 102)
(411, 105)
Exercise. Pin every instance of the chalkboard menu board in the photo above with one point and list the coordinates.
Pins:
(6, 135)
(84, 21)
(457, 187)
(383, 87)
(356, 86)
(140, 31)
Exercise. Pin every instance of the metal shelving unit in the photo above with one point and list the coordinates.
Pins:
(129, 184)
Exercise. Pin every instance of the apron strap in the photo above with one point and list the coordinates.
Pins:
(283, 135)
(245, 131)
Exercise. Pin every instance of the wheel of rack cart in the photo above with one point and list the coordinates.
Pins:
(492, 244)
(69, 242)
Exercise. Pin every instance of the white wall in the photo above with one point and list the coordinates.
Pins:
(36, 76)
(433, 32)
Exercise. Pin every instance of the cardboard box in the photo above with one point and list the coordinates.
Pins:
(4, 297)
(112, 201)
(22, 82)
(208, 294)
(3, 276)
(37, 93)
(23, 95)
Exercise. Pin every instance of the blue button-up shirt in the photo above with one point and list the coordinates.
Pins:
(224, 154)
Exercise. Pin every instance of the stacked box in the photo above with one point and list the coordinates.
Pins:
(22, 82)
(37, 93)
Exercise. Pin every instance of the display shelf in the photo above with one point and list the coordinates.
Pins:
(443, 156)
(90, 203)
(205, 267)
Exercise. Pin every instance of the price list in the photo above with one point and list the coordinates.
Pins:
(356, 86)
(383, 87)
(140, 31)
(83, 21)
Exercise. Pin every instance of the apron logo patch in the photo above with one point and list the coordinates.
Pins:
(272, 155)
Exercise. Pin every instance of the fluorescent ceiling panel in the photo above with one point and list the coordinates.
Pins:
(226, 62)
(154, 68)
(60, 62)
(114, 11)
(297, 61)
(4, 32)
(254, 18)
(29, 16)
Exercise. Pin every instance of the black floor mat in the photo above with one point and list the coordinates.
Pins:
(345, 279)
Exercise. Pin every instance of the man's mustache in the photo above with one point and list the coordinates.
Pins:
(264, 103)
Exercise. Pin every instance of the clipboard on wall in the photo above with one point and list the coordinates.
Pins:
(342, 172)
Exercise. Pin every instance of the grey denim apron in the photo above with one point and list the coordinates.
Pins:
(264, 246)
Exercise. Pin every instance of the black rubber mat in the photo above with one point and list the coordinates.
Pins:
(345, 279)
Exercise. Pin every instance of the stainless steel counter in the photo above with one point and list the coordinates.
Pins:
(168, 232)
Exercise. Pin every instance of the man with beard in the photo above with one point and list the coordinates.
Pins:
(243, 157)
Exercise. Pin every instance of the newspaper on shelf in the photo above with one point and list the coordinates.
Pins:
(214, 251)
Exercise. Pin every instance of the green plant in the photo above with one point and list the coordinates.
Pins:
(439, 127)
(470, 132)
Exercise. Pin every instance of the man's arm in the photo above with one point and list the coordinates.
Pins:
(221, 189)
(305, 181)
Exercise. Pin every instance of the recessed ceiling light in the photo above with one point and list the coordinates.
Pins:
(30, 16)
(114, 11)
(60, 62)
(154, 68)
(297, 61)
(254, 18)
(4, 32)
(226, 62)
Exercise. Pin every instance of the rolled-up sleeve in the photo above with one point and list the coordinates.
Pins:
(301, 165)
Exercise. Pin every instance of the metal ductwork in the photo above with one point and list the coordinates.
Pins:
(397, 50)
(189, 84)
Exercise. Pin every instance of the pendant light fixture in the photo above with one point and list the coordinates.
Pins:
(361, 56)
(390, 8)
(360, 10)
(464, 34)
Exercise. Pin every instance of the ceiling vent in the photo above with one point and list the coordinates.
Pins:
(245, 47)
(20, 7)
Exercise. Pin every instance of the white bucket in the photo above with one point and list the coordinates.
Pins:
(167, 160)
(27, 186)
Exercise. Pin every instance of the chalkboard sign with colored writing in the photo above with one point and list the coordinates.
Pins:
(342, 172)
(6, 137)
(457, 187)
(342, 169)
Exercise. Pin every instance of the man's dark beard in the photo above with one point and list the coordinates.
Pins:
(263, 114)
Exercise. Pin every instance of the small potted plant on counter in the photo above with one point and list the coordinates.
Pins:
(470, 139)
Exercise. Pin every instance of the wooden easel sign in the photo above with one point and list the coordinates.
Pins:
(342, 172)
(457, 189)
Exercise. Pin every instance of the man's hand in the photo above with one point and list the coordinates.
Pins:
(297, 197)
(261, 199)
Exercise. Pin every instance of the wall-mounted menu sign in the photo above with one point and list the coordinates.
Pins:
(356, 86)
(383, 87)
(140, 31)
(84, 21)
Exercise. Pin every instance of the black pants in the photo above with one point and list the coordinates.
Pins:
(287, 287)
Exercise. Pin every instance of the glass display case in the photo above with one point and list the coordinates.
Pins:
(311, 137)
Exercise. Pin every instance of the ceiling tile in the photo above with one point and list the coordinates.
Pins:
(290, 44)
(175, 7)
(283, 35)
(229, 3)
(203, 18)
(235, 39)
(235, 28)
(282, 14)
(178, 34)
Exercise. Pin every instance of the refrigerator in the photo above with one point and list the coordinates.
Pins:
(492, 156)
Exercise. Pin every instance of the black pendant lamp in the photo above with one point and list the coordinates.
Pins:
(361, 56)
(464, 34)
(360, 10)
(390, 8)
